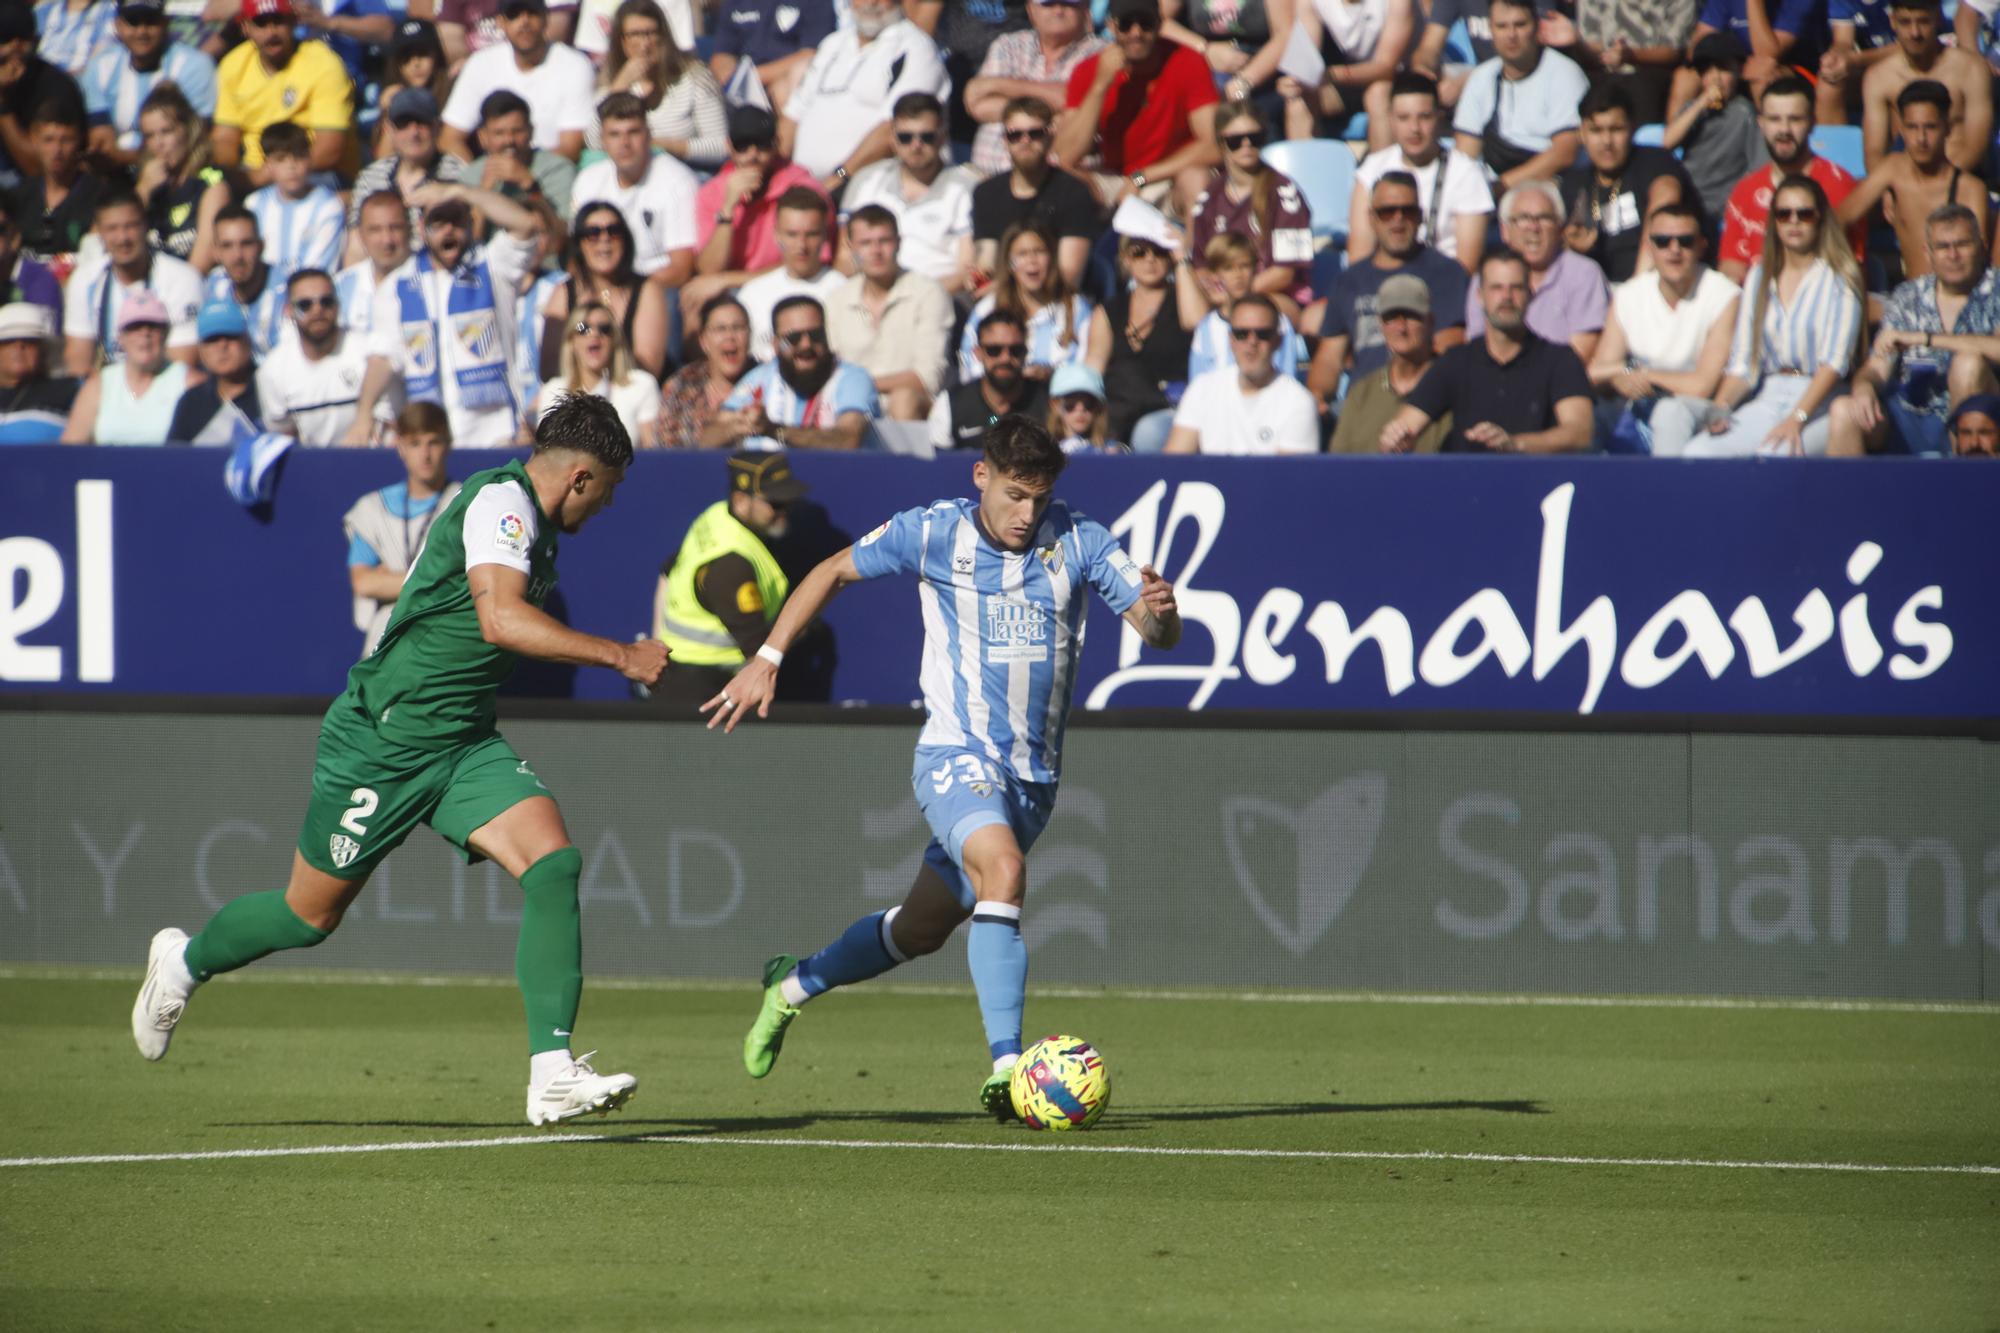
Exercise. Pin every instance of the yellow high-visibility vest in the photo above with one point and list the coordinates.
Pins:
(694, 635)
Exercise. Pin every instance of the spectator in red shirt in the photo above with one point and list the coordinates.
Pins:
(736, 211)
(1785, 115)
(1144, 110)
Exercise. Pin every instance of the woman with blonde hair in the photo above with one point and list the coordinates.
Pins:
(1031, 284)
(179, 182)
(1247, 196)
(685, 115)
(595, 361)
(1798, 334)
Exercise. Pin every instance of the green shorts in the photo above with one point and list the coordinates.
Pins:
(368, 793)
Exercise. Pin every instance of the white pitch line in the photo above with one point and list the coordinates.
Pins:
(332, 977)
(1108, 1149)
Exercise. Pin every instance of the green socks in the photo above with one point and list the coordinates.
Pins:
(549, 959)
(247, 929)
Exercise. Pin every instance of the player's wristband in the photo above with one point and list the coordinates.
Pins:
(771, 655)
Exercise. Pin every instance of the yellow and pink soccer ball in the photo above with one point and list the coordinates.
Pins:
(1061, 1083)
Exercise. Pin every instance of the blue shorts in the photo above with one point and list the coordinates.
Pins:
(961, 791)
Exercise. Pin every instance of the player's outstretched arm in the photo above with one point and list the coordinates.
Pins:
(754, 686)
(1156, 615)
(507, 619)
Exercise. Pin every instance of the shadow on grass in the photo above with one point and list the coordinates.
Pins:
(1122, 1120)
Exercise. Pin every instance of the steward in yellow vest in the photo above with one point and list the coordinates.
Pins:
(718, 597)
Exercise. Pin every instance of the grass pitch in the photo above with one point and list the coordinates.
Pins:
(723, 1203)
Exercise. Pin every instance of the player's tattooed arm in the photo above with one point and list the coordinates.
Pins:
(507, 619)
(753, 687)
(1156, 615)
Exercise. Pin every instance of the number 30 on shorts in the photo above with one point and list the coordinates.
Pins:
(365, 801)
(972, 771)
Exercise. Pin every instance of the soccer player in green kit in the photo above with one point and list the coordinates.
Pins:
(413, 741)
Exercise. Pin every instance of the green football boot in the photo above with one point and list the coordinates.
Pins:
(996, 1097)
(767, 1035)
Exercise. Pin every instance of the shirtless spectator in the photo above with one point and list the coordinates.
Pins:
(1920, 54)
(1914, 183)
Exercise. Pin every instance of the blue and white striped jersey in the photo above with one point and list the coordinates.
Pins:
(299, 233)
(530, 317)
(354, 288)
(1209, 349)
(265, 314)
(71, 39)
(113, 91)
(1002, 630)
(849, 389)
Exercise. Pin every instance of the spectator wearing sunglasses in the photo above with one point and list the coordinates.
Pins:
(959, 419)
(1138, 337)
(1143, 110)
(1077, 419)
(310, 385)
(1352, 338)
(1033, 190)
(837, 120)
(1452, 195)
(653, 191)
(1035, 63)
(932, 202)
(807, 398)
(1247, 196)
(415, 159)
(1666, 340)
(1247, 407)
(596, 361)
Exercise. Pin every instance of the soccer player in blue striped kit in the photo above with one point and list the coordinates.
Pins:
(1003, 584)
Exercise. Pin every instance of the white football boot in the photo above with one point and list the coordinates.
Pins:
(164, 996)
(578, 1090)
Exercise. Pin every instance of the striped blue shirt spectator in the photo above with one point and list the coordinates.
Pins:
(299, 233)
(113, 91)
(1051, 340)
(264, 312)
(849, 389)
(354, 287)
(72, 38)
(1819, 328)
(1209, 348)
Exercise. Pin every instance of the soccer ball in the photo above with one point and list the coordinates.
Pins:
(1061, 1083)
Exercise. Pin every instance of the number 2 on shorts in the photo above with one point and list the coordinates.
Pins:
(365, 801)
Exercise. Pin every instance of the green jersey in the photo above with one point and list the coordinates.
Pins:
(430, 683)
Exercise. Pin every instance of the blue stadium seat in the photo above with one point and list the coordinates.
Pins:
(1841, 145)
(1325, 173)
(1649, 136)
(1356, 128)
(1458, 45)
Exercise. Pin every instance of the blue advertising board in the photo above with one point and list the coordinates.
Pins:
(1580, 586)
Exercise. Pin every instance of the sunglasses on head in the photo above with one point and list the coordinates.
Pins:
(1033, 134)
(999, 350)
(597, 231)
(602, 330)
(908, 137)
(308, 304)
(1248, 139)
(1254, 335)
(802, 337)
(1387, 211)
(1675, 242)
(1795, 214)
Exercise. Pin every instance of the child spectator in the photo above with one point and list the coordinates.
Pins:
(1716, 129)
(1076, 412)
(303, 224)
(1231, 276)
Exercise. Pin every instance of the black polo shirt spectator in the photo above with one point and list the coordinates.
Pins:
(1617, 212)
(971, 414)
(1064, 205)
(1519, 397)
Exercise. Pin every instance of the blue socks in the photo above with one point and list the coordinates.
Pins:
(865, 949)
(999, 960)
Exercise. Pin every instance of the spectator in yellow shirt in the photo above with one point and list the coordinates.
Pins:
(275, 77)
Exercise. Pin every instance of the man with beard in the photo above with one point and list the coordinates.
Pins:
(1510, 391)
(718, 596)
(272, 77)
(1350, 324)
(444, 322)
(241, 276)
(1146, 108)
(1785, 115)
(97, 290)
(959, 419)
(1567, 294)
(384, 228)
(311, 385)
(1035, 190)
(208, 412)
(805, 399)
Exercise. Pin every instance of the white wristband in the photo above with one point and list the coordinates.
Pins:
(771, 655)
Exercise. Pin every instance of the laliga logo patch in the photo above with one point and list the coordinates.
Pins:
(1333, 840)
(511, 534)
(343, 849)
(874, 536)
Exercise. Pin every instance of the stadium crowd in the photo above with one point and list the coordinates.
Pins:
(1509, 225)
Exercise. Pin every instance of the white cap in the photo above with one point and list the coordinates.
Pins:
(24, 320)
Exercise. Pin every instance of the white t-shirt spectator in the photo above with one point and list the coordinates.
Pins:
(659, 209)
(1669, 338)
(558, 92)
(1465, 191)
(94, 293)
(848, 89)
(930, 227)
(1280, 418)
(315, 400)
(1532, 110)
(637, 399)
(760, 296)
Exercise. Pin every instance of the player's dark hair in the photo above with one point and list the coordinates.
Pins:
(300, 275)
(802, 200)
(1791, 85)
(1412, 84)
(1021, 447)
(589, 425)
(1928, 92)
(285, 139)
(911, 105)
(234, 213)
(1606, 96)
(872, 215)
